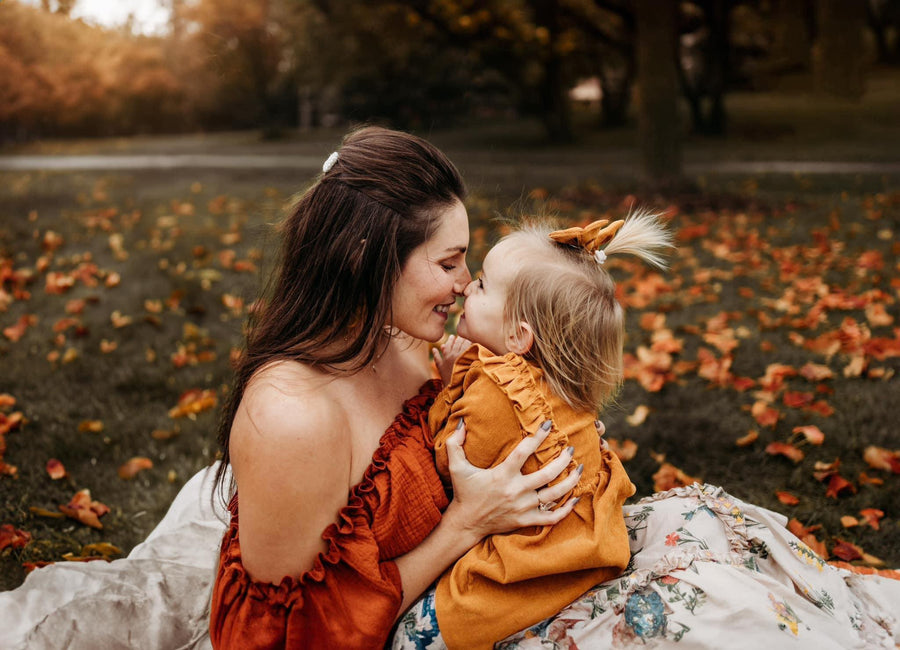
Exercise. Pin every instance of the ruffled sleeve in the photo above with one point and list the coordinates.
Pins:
(350, 596)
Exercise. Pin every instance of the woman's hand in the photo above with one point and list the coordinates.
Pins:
(501, 499)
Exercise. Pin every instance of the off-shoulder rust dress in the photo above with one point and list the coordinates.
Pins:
(352, 594)
(508, 582)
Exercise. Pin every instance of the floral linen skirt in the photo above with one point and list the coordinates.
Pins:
(706, 571)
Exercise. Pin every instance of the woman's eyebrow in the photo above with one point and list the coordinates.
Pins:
(456, 249)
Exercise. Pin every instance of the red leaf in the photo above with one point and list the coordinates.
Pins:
(783, 448)
(796, 399)
(130, 468)
(872, 517)
(13, 537)
(83, 509)
(668, 476)
(192, 402)
(55, 469)
(764, 414)
(838, 484)
(880, 458)
(787, 498)
(812, 434)
(846, 551)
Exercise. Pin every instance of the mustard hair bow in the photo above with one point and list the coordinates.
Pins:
(591, 238)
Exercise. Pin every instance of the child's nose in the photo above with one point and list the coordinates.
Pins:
(468, 289)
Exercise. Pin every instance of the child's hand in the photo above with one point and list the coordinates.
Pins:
(448, 354)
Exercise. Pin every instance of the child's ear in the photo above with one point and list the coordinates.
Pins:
(520, 339)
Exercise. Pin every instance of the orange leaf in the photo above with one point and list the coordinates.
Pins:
(812, 434)
(55, 469)
(816, 372)
(192, 402)
(625, 450)
(824, 470)
(880, 458)
(865, 479)
(817, 546)
(764, 414)
(838, 484)
(82, 509)
(849, 522)
(668, 476)
(800, 530)
(821, 407)
(7, 401)
(637, 418)
(872, 517)
(749, 439)
(787, 498)
(13, 537)
(94, 426)
(783, 448)
(797, 399)
(846, 551)
(134, 465)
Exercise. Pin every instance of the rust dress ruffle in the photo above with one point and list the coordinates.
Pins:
(350, 597)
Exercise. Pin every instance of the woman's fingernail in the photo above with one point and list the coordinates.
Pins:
(575, 503)
(580, 469)
(571, 451)
(545, 426)
(459, 425)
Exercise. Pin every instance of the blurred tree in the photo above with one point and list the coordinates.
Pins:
(792, 41)
(659, 130)
(840, 52)
(884, 21)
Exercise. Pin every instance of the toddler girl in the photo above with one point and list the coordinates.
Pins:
(548, 336)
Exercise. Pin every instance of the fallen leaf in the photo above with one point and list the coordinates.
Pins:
(11, 537)
(816, 372)
(55, 469)
(668, 476)
(865, 479)
(83, 509)
(849, 522)
(43, 512)
(764, 414)
(838, 484)
(132, 466)
(812, 434)
(787, 498)
(192, 402)
(637, 418)
(93, 426)
(102, 549)
(846, 551)
(786, 450)
(624, 450)
(880, 458)
(872, 517)
(749, 439)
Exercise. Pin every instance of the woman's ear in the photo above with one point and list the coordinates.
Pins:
(520, 339)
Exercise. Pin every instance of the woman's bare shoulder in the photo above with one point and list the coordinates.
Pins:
(290, 453)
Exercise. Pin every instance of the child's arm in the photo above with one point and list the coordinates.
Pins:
(448, 354)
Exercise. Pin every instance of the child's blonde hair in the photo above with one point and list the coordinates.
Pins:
(568, 300)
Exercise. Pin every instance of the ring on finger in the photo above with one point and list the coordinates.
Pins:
(545, 506)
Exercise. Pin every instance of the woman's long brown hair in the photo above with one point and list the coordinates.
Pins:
(344, 245)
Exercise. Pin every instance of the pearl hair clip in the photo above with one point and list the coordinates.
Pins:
(329, 162)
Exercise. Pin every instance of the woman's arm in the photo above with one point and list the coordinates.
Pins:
(485, 502)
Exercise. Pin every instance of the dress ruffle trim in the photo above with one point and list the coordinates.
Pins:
(356, 514)
(518, 380)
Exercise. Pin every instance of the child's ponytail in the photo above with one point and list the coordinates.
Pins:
(644, 236)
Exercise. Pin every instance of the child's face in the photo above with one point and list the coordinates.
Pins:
(482, 321)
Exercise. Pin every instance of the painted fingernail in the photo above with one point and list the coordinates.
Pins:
(459, 425)
(545, 426)
(575, 503)
(571, 451)
(580, 469)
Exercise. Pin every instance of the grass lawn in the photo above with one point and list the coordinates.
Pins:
(124, 290)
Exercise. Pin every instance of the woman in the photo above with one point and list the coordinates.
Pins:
(373, 258)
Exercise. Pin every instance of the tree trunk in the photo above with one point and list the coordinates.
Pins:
(839, 48)
(554, 92)
(659, 130)
(791, 44)
(616, 78)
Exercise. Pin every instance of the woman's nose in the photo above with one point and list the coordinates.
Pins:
(462, 282)
(468, 289)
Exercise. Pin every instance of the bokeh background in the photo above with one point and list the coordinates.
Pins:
(147, 147)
